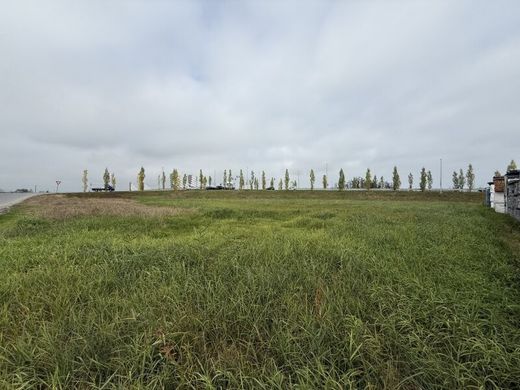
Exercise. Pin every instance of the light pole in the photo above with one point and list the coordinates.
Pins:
(441, 177)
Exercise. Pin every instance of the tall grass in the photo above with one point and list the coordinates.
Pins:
(264, 290)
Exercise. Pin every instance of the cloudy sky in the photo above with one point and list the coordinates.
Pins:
(260, 85)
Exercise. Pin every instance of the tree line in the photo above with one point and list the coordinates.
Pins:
(461, 180)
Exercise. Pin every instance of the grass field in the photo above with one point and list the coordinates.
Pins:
(259, 290)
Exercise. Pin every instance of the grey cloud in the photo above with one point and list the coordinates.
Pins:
(256, 85)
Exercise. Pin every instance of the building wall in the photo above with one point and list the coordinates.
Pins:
(513, 199)
(498, 202)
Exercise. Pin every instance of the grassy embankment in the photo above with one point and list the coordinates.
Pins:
(395, 290)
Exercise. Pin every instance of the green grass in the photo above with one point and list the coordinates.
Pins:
(264, 290)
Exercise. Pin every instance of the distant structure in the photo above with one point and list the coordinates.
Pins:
(512, 193)
(495, 194)
(503, 193)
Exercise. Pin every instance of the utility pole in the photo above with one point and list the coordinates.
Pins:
(441, 176)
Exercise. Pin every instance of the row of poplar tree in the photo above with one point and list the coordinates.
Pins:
(461, 180)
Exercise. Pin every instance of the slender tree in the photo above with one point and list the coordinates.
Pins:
(184, 181)
(106, 178)
(512, 166)
(470, 177)
(241, 181)
(230, 180)
(280, 185)
(201, 179)
(381, 182)
(210, 181)
(174, 180)
(271, 184)
(252, 180)
(257, 184)
(462, 180)
(429, 179)
(325, 182)
(410, 181)
(163, 180)
(312, 179)
(140, 179)
(396, 180)
(341, 180)
(368, 179)
(263, 180)
(422, 182)
(287, 179)
(113, 180)
(84, 179)
(455, 179)
(374, 182)
(225, 179)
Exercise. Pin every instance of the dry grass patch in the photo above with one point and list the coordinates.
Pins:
(63, 207)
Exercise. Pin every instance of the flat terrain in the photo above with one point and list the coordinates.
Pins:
(259, 289)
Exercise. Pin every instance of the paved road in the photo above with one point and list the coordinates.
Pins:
(7, 199)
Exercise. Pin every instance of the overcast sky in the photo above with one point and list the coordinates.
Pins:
(263, 85)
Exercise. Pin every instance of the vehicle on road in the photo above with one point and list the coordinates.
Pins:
(107, 188)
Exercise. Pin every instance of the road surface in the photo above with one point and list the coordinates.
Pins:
(8, 199)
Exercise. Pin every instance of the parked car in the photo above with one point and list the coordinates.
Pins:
(107, 188)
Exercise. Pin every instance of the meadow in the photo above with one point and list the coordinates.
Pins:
(259, 289)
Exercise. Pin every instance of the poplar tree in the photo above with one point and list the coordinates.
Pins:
(230, 179)
(280, 185)
(410, 181)
(312, 178)
(422, 182)
(374, 182)
(225, 179)
(396, 180)
(140, 179)
(163, 180)
(381, 182)
(325, 182)
(257, 184)
(241, 181)
(287, 179)
(470, 177)
(341, 180)
(368, 179)
(252, 180)
(455, 180)
(512, 166)
(85, 180)
(113, 180)
(106, 178)
(184, 181)
(210, 181)
(271, 184)
(201, 180)
(263, 180)
(429, 179)
(174, 180)
(462, 180)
